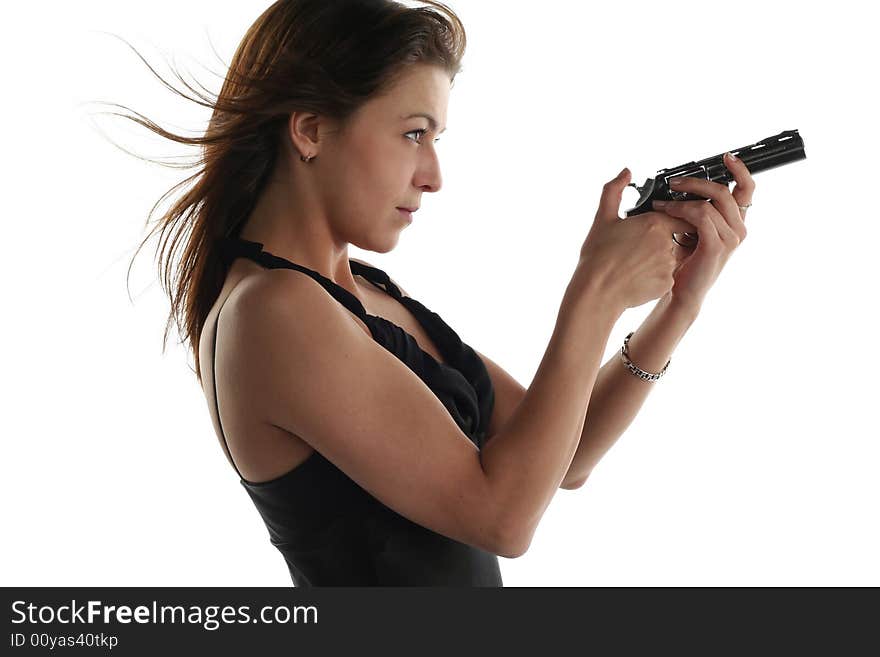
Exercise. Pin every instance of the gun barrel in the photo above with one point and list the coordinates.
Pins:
(775, 151)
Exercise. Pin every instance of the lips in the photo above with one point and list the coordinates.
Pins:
(408, 209)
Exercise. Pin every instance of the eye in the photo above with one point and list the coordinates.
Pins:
(419, 132)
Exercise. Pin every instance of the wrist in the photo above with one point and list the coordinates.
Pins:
(586, 284)
(681, 306)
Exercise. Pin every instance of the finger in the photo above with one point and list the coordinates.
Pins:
(722, 200)
(706, 218)
(612, 194)
(744, 189)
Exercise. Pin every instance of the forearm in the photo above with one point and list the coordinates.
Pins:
(527, 460)
(618, 395)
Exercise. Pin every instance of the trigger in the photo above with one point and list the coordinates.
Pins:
(640, 190)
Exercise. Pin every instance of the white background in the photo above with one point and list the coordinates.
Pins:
(753, 462)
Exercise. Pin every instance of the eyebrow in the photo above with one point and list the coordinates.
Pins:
(431, 120)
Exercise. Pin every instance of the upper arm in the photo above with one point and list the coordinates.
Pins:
(327, 381)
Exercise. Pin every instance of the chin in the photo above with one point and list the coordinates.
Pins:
(386, 248)
(379, 245)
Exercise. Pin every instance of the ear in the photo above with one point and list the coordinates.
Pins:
(303, 132)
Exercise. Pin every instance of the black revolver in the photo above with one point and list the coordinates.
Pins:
(784, 148)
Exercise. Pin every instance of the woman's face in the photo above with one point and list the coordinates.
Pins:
(385, 159)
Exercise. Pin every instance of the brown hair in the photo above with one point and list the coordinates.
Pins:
(299, 55)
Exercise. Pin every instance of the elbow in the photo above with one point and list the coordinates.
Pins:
(574, 485)
(513, 542)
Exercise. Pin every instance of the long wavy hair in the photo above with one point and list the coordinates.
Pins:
(328, 57)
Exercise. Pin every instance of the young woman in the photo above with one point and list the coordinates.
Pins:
(379, 448)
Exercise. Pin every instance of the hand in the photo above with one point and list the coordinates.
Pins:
(629, 261)
(720, 227)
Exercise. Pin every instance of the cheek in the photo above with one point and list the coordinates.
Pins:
(370, 181)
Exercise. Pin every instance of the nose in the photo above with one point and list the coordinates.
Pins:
(428, 177)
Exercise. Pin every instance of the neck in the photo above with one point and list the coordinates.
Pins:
(294, 237)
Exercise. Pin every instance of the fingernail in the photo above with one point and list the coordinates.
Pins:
(675, 181)
(660, 204)
(731, 157)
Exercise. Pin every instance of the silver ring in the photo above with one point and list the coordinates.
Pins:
(743, 208)
(687, 246)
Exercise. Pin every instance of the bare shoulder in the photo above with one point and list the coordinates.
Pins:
(255, 298)
(274, 288)
(275, 309)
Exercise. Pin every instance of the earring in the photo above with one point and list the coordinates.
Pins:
(306, 159)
